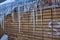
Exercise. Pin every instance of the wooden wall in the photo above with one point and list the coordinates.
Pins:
(41, 28)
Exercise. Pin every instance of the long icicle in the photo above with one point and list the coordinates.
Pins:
(40, 7)
(36, 12)
(34, 20)
(12, 12)
(55, 9)
(19, 18)
(41, 17)
(28, 8)
(54, 6)
(13, 15)
(31, 9)
(33, 23)
(31, 12)
(3, 22)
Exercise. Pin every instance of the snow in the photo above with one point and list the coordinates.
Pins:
(8, 6)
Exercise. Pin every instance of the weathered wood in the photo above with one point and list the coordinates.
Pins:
(41, 29)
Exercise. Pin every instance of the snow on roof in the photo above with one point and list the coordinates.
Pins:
(7, 1)
(8, 6)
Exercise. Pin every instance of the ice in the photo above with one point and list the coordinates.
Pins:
(19, 18)
(13, 15)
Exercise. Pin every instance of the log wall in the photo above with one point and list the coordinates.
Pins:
(41, 28)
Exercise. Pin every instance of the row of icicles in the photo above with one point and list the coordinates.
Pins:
(33, 8)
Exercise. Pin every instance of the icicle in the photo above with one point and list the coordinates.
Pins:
(36, 12)
(40, 7)
(31, 12)
(31, 9)
(3, 22)
(55, 10)
(13, 15)
(1, 19)
(12, 12)
(33, 23)
(24, 7)
(28, 8)
(41, 11)
(41, 15)
(19, 17)
(54, 6)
